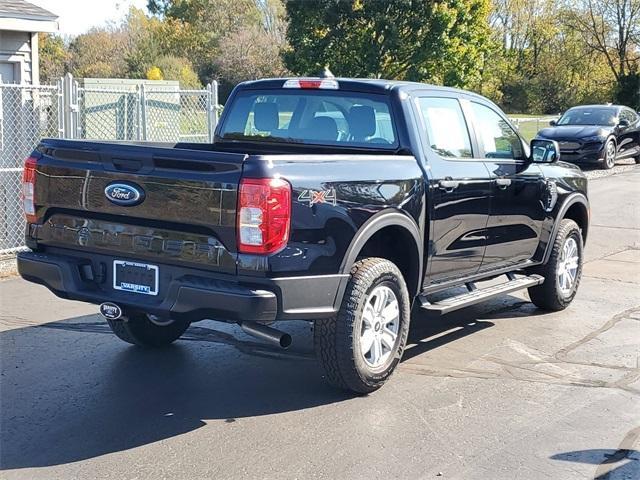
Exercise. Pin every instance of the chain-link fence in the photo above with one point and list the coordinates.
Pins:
(530, 126)
(137, 112)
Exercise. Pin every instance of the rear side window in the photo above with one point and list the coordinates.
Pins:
(628, 115)
(316, 117)
(446, 128)
(496, 136)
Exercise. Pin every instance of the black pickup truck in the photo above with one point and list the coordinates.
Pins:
(338, 201)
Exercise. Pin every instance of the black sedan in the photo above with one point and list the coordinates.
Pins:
(596, 134)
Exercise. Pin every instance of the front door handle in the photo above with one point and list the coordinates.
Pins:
(503, 183)
(448, 185)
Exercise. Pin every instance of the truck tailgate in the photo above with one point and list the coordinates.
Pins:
(187, 211)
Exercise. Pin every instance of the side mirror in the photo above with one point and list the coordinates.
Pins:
(553, 123)
(544, 151)
(623, 123)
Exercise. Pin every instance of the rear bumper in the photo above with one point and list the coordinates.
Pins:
(186, 293)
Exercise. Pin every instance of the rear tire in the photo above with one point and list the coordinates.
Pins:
(360, 348)
(139, 330)
(562, 272)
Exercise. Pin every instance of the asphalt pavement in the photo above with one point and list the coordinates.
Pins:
(498, 391)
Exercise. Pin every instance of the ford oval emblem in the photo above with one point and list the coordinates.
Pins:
(110, 310)
(124, 194)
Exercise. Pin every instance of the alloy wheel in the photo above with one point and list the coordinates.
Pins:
(610, 154)
(380, 326)
(568, 266)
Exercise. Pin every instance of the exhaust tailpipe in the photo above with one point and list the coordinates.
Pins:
(271, 335)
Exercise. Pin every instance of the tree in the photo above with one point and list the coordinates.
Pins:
(154, 73)
(628, 90)
(168, 67)
(228, 40)
(144, 42)
(539, 63)
(440, 41)
(248, 54)
(194, 28)
(100, 52)
(54, 57)
(611, 27)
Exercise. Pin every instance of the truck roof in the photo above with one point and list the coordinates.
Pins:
(365, 85)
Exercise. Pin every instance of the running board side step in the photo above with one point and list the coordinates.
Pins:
(479, 295)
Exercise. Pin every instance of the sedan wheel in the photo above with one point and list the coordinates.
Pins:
(609, 155)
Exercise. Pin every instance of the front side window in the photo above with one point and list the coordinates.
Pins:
(497, 138)
(446, 128)
(313, 117)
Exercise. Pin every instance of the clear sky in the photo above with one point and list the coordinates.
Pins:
(78, 16)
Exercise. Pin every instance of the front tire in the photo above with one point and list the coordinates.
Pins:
(562, 272)
(360, 348)
(610, 152)
(138, 330)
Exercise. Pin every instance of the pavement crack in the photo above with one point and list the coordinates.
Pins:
(613, 226)
(627, 379)
(610, 254)
(608, 279)
(561, 354)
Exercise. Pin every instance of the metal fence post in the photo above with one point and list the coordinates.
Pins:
(208, 106)
(212, 108)
(60, 110)
(143, 111)
(66, 109)
(70, 110)
(1, 117)
(75, 109)
(138, 113)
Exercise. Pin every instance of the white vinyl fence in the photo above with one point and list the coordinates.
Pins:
(68, 110)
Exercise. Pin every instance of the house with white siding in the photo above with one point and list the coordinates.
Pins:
(20, 23)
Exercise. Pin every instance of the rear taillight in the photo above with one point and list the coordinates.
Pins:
(264, 215)
(29, 188)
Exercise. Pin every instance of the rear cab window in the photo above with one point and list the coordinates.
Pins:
(313, 117)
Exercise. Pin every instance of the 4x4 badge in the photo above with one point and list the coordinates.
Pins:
(318, 196)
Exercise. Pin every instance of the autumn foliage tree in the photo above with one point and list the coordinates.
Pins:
(529, 56)
(441, 41)
(228, 40)
(54, 57)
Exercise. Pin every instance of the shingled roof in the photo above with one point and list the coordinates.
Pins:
(24, 10)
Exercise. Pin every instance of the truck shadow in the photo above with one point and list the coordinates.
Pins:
(612, 464)
(71, 391)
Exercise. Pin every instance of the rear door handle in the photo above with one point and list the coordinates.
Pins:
(503, 183)
(448, 185)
